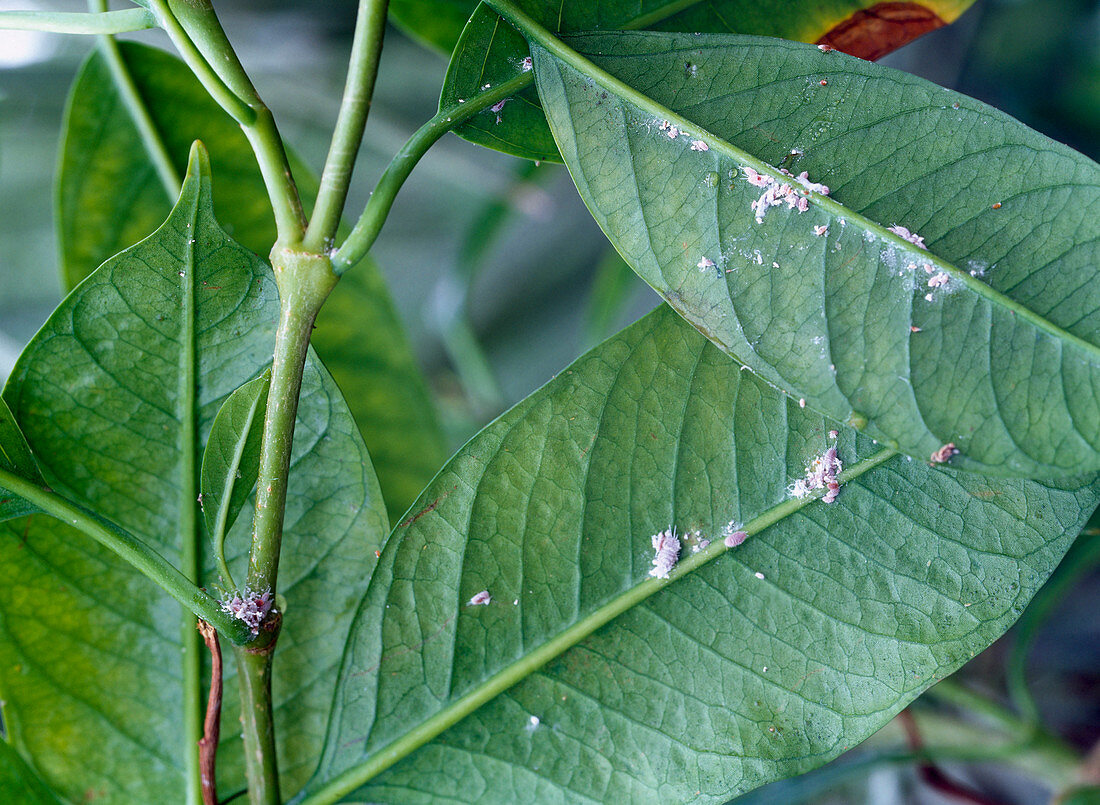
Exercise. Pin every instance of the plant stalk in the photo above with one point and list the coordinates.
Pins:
(305, 281)
(370, 223)
(257, 724)
(65, 22)
(198, 36)
(366, 50)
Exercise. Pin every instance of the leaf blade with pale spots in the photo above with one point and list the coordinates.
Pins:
(851, 321)
(749, 665)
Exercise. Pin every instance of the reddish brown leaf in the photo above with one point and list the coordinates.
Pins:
(882, 28)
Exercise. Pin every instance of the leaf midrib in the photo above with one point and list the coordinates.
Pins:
(562, 52)
(188, 532)
(519, 670)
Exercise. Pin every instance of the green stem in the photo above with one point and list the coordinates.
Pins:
(61, 22)
(304, 281)
(230, 87)
(258, 727)
(370, 26)
(204, 29)
(234, 106)
(403, 745)
(137, 553)
(370, 223)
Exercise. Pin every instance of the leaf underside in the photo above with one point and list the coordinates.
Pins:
(489, 51)
(92, 660)
(231, 458)
(1001, 361)
(109, 197)
(757, 663)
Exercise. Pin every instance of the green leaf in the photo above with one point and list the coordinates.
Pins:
(1001, 360)
(100, 672)
(18, 781)
(16, 457)
(231, 461)
(489, 51)
(109, 196)
(586, 680)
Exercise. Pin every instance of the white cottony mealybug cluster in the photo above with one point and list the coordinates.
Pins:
(480, 599)
(776, 192)
(905, 234)
(250, 608)
(821, 474)
(666, 548)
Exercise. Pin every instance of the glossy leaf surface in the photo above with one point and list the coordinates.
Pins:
(15, 457)
(109, 196)
(231, 458)
(987, 340)
(100, 672)
(748, 665)
(490, 51)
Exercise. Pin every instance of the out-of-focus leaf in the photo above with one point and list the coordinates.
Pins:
(987, 340)
(363, 343)
(15, 457)
(109, 196)
(1085, 795)
(584, 679)
(108, 193)
(99, 670)
(612, 289)
(490, 51)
